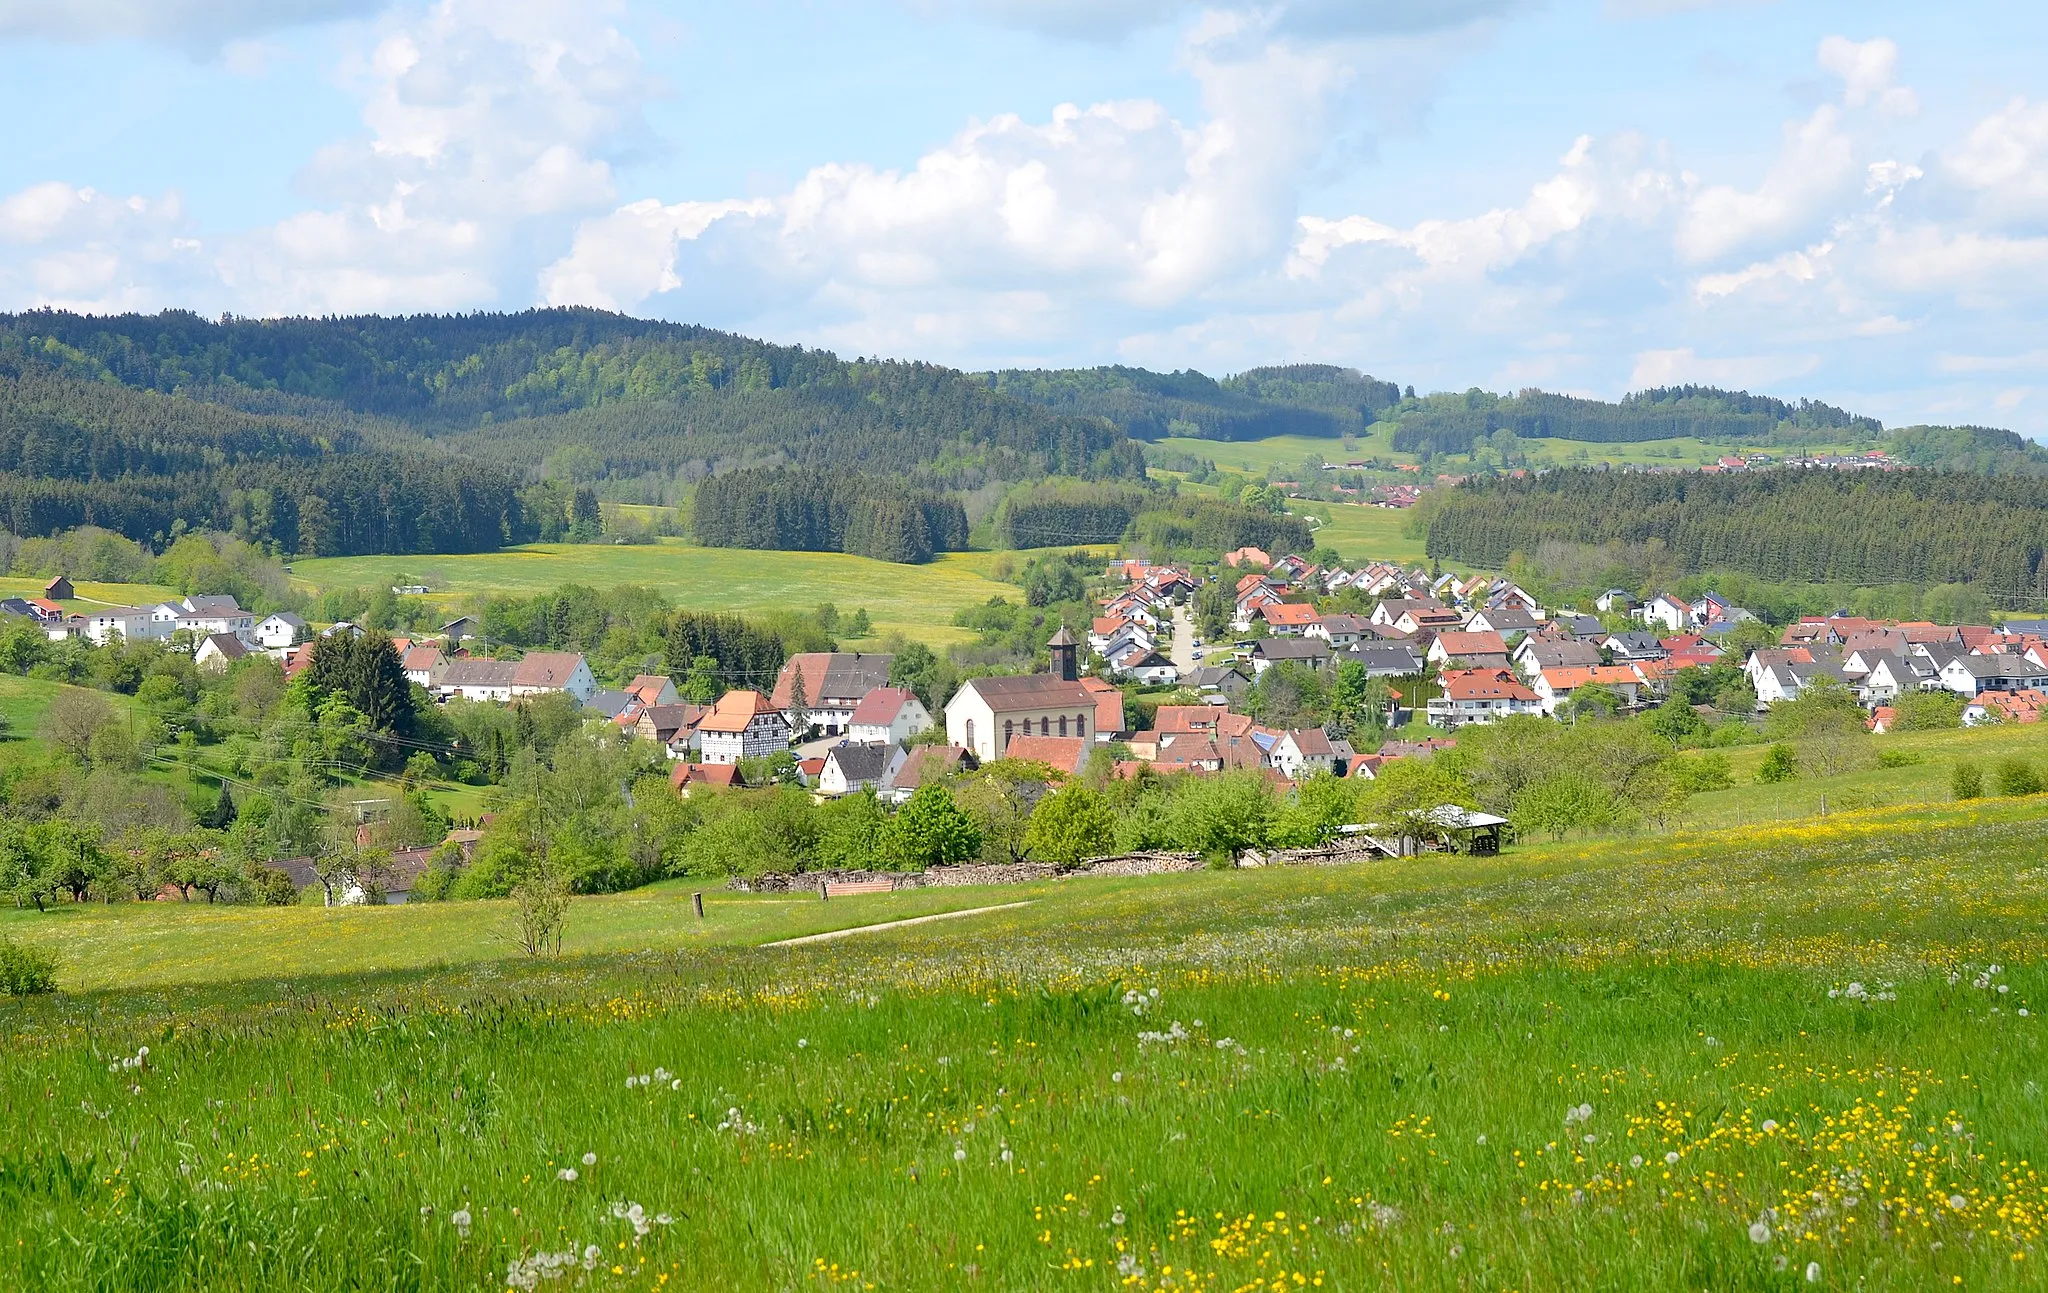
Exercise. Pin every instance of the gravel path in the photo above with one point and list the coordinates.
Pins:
(829, 935)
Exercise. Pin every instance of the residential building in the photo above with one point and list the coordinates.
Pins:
(280, 630)
(654, 689)
(1148, 667)
(422, 664)
(742, 725)
(833, 684)
(888, 715)
(475, 679)
(542, 672)
(1536, 654)
(850, 767)
(1224, 680)
(103, 624)
(1971, 675)
(1666, 612)
(1512, 618)
(1109, 708)
(913, 768)
(1068, 754)
(217, 651)
(705, 776)
(1556, 686)
(1480, 696)
(1342, 631)
(1313, 652)
(1636, 644)
(1475, 650)
(1289, 619)
(1615, 601)
(1303, 753)
(1384, 659)
(673, 726)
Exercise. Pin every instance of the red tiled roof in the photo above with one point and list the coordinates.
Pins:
(1067, 753)
(1469, 644)
(1290, 614)
(1484, 684)
(881, 706)
(721, 776)
(735, 710)
(546, 669)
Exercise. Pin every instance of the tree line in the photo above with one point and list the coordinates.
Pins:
(840, 511)
(1917, 527)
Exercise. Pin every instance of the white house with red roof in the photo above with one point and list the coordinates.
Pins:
(1480, 696)
(742, 725)
(888, 715)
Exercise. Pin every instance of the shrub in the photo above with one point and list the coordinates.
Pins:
(26, 971)
(1699, 773)
(1966, 781)
(1899, 758)
(1778, 766)
(2017, 777)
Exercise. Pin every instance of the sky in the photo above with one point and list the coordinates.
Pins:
(1845, 201)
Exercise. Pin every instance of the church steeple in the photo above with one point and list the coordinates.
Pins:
(1065, 657)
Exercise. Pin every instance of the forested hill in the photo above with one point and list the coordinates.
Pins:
(1305, 399)
(1916, 527)
(589, 395)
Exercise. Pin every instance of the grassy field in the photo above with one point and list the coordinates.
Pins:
(1769, 1058)
(89, 594)
(916, 600)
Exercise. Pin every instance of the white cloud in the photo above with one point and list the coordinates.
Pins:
(76, 248)
(1114, 19)
(193, 24)
(2004, 161)
(1116, 203)
(1815, 163)
(1680, 366)
(1869, 73)
(489, 124)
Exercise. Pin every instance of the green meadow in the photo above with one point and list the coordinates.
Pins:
(916, 600)
(1782, 1056)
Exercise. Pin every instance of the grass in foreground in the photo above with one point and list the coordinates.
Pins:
(1719, 1061)
(916, 600)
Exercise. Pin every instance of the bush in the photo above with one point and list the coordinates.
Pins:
(1778, 766)
(1700, 773)
(1966, 781)
(26, 971)
(1899, 758)
(2017, 777)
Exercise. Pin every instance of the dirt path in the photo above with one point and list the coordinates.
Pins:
(829, 935)
(1183, 641)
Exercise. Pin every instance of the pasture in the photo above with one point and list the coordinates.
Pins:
(1776, 1057)
(918, 601)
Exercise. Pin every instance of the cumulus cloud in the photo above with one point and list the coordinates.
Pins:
(1683, 365)
(77, 248)
(1117, 202)
(1114, 19)
(2003, 161)
(1869, 73)
(190, 24)
(489, 124)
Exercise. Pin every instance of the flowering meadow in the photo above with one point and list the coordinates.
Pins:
(1789, 1056)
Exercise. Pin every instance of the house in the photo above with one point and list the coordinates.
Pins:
(1289, 619)
(850, 767)
(1109, 708)
(217, 651)
(912, 768)
(701, 776)
(1384, 659)
(1710, 608)
(1556, 686)
(1505, 596)
(1580, 626)
(1068, 754)
(986, 714)
(1508, 619)
(1765, 658)
(614, 704)
(887, 715)
(1786, 681)
(474, 679)
(673, 726)
(1225, 680)
(1666, 612)
(103, 624)
(2025, 706)
(742, 725)
(1476, 650)
(1247, 556)
(203, 613)
(59, 589)
(1615, 601)
(1537, 654)
(1268, 652)
(653, 689)
(1389, 614)
(1341, 631)
(1480, 696)
(833, 683)
(421, 663)
(1415, 623)
(1148, 667)
(1887, 677)
(1637, 644)
(1303, 753)
(540, 673)
(1971, 675)
(279, 630)
(461, 629)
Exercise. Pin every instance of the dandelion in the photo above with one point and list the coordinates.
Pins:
(590, 1256)
(1671, 1156)
(566, 1174)
(676, 1084)
(1759, 1233)
(959, 1154)
(1635, 1160)
(1713, 1041)
(802, 1042)
(1813, 1272)
(1006, 1154)
(460, 1220)
(590, 1160)
(1780, 1262)
(1482, 1138)
(1457, 1251)
(1958, 1202)
(1116, 1218)
(1770, 1124)
(1117, 1076)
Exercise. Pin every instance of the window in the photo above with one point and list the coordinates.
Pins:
(1045, 727)
(970, 733)
(1063, 725)
(1080, 725)
(1009, 730)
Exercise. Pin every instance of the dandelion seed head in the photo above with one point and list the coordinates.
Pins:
(590, 1160)
(1759, 1233)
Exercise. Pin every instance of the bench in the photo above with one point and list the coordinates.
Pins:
(854, 888)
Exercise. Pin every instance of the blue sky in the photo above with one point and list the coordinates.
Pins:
(1848, 201)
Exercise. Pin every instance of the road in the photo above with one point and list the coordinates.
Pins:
(1183, 641)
